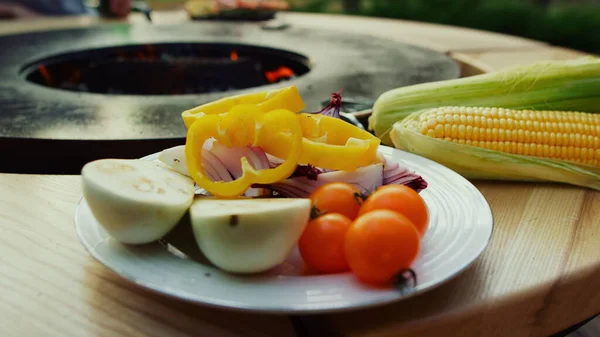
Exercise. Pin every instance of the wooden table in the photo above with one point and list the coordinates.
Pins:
(540, 274)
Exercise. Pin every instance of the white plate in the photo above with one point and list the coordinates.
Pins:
(459, 230)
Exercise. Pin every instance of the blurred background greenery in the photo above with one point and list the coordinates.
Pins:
(567, 23)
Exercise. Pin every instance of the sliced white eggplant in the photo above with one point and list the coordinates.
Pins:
(175, 158)
(248, 235)
(136, 201)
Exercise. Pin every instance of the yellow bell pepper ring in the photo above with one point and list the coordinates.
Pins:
(286, 98)
(277, 132)
(334, 144)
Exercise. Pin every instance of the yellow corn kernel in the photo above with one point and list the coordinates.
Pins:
(563, 135)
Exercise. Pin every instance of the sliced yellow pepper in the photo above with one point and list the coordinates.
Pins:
(334, 144)
(286, 98)
(277, 132)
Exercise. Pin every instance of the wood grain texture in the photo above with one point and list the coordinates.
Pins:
(539, 275)
(433, 36)
(500, 59)
(51, 286)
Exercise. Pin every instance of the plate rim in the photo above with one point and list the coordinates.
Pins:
(294, 309)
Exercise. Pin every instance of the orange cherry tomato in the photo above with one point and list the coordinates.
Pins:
(380, 244)
(337, 197)
(322, 243)
(402, 199)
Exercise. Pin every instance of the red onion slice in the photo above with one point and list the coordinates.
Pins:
(223, 164)
(231, 158)
(333, 108)
(214, 168)
(365, 178)
(394, 173)
(261, 161)
(274, 161)
(259, 157)
(220, 163)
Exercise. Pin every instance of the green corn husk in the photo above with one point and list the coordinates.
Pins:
(484, 164)
(548, 85)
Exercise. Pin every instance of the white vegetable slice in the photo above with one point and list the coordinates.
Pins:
(175, 158)
(248, 235)
(136, 201)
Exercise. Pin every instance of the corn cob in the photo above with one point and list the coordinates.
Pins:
(506, 144)
(552, 85)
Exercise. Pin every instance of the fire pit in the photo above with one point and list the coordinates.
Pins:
(72, 96)
(167, 69)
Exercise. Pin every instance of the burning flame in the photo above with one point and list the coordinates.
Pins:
(279, 73)
(45, 74)
(234, 55)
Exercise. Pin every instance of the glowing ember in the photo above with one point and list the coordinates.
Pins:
(279, 73)
(174, 69)
(46, 74)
